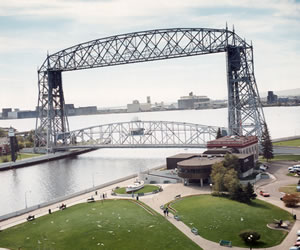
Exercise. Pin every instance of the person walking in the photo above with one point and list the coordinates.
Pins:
(167, 211)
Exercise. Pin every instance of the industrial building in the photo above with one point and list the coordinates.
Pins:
(136, 106)
(192, 101)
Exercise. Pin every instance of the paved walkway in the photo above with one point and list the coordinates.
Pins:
(171, 190)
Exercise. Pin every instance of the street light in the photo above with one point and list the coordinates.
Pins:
(250, 238)
(93, 175)
(28, 191)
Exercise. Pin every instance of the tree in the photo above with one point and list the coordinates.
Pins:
(219, 134)
(266, 143)
(231, 161)
(231, 180)
(290, 200)
(249, 192)
(3, 133)
(239, 194)
(217, 173)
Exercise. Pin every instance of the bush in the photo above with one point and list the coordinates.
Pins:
(290, 200)
(249, 236)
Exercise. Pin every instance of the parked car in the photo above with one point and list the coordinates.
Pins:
(298, 233)
(294, 248)
(291, 170)
(263, 168)
(264, 194)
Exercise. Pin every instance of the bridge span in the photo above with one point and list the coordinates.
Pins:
(140, 134)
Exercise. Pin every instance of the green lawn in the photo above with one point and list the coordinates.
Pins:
(145, 189)
(113, 224)
(291, 143)
(283, 158)
(219, 218)
(20, 157)
(290, 189)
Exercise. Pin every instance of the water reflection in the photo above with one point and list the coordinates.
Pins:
(55, 179)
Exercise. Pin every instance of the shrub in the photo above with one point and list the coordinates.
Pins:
(290, 200)
(250, 236)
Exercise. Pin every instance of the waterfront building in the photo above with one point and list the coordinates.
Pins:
(240, 144)
(196, 168)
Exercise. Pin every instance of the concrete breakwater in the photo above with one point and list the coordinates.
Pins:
(41, 159)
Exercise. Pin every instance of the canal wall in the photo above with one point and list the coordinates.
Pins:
(63, 198)
(41, 159)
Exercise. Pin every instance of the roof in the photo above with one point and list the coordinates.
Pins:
(205, 161)
(200, 161)
(233, 141)
(184, 155)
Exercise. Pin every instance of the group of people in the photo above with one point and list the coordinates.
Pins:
(103, 196)
(166, 211)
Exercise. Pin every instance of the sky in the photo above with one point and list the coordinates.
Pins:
(29, 29)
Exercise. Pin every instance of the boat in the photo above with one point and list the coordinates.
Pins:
(136, 186)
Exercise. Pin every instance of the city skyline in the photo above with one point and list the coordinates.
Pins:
(30, 29)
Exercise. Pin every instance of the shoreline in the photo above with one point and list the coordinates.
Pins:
(74, 196)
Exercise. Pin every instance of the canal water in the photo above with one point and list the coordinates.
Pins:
(48, 181)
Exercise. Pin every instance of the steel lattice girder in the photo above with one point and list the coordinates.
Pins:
(245, 111)
(141, 134)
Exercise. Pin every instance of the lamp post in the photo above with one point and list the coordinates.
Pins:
(93, 175)
(28, 191)
(250, 238)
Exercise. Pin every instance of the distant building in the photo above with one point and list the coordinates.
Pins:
(27, 114)
(5, 112)
(133, 107)
(12, 115)
(89, 110)
(70, 109)
(192, 101)
(148, 100)
(136, 106)
(272, 98)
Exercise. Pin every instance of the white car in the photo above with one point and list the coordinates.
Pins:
(262, 167)
(291, 169)
(298, 233)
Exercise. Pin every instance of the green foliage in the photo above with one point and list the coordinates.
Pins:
(145, 189)
(250, 236)
(249, 192)
(231, 161)
(217, 174)
(290, 200)
(2, 133)
(219, 134)
(224, 175)
(290, 143)
(266, 143)
(231, 180)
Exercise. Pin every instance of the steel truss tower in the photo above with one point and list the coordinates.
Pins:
(245, 114)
